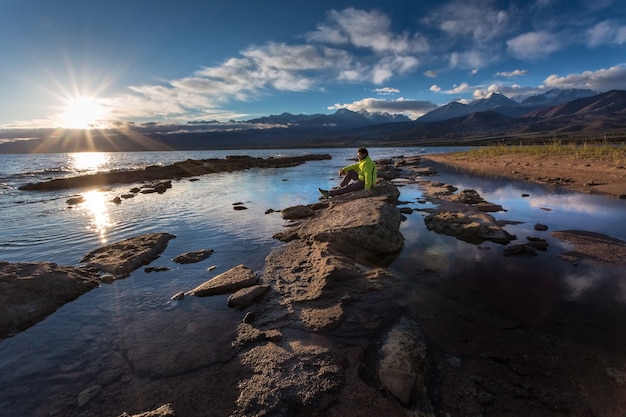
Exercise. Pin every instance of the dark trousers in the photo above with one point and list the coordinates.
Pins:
(349, 183)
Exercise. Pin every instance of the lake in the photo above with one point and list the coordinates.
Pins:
(126, 334)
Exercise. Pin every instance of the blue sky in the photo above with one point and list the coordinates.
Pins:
(77, 63)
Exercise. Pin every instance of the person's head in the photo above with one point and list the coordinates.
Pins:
(362, 153)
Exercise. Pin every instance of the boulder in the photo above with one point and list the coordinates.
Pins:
(230, 281)
(371, 224)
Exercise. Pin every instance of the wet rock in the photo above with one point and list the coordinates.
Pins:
(403, 366)
(540, 227)
(127, 255)
(156, 269)
(297, 212)
(183, 169)
(193, 256)
(520, 249)
(469, 197)
(75, 200)
(230, 281)
(32, 291)
(471, 227)
(537, 243)
(245, 297)
(178, 296)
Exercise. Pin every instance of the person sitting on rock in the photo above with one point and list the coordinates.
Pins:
(358, 176)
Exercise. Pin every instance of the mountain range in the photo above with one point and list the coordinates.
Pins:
(556, 114)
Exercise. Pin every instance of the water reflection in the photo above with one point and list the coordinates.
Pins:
(95, 207)
(88, 161)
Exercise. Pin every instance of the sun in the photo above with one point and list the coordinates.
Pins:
(82, 113)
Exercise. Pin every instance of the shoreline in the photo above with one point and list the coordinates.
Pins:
(589, 176)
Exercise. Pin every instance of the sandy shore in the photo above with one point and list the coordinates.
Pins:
(593, 176)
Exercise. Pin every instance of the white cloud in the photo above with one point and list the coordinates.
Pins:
(510, 91)
(600, 80)
(476, 20)
(606, 32)
(430, 74)
(474, 71)
(386, 90)
(512, 74)
(435, 88)
(366, 29)
(412, 108)
(533, 45)
(461, 88)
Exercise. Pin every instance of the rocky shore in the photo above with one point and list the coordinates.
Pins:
(324, 331)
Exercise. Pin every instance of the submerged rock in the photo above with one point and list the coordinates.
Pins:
(127, 255)
(32, 291)
(193, 257)
(471, 227)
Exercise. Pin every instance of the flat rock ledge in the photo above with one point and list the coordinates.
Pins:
(29, 292)
(304, 340)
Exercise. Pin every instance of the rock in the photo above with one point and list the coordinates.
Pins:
(540, 227)
(406, 210)
(471, 227)
(127, 255)
(165, 410)
(156, 269)
(193, 257)
(403, 366)
(299, 375)
(184, 169)
(322, 319)
(537, 243)
(245, 297)
(230, 281)
(376, 227)
(32, 291)
(178, 296)
(469, 197)
(75, 200)
(247, 333)
(297, 212)
(519, 249)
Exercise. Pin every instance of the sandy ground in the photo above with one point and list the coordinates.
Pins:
(598, 176)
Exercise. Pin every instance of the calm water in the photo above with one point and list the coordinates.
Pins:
(133, 320)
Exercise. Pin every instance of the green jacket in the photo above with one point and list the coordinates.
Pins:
(366, 168)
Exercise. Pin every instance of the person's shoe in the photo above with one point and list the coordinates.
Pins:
(324, 192)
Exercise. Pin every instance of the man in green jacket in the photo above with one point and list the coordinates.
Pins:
(358, 176)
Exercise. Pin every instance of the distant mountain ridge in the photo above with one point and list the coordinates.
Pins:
(504, 105)
(342, 118)
(599, 116)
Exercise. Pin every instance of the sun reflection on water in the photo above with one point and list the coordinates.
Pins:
(88, 161)
(95, 204)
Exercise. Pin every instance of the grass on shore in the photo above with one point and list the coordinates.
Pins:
(587, 150)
